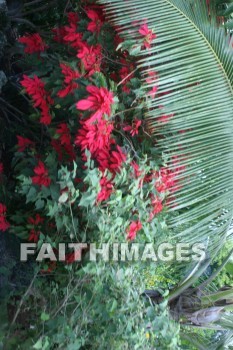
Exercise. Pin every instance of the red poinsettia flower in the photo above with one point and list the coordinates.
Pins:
(68, 89)
(72, 37)
(64, 132)
(34, 233)
(36, 221)
(70, 84)
(4, 224)
(91, 57)
(102, 158)
(153, 91)
(23, 143)
(94, 137)
(97, 21)
(147, 34)
(35, 88)
(157, 206)
(165, 180)
(111, 160)
(45, 115)
(134, 227)
(41, 175)
(73, 17)
(133, 130)
(116, 159)
(137, 171)
(69, 73)
(59, 34)
(106, 189)
(34, 43)
(100, 100)
(152, 77)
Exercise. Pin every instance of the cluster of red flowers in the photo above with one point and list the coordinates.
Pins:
(157, 206)
(33, 43)
(69, 82)
(41, 176)
(67, 33)
(163, 180)
(90, 55)
(133, 129)
(134, 227)
(97, 19)
(147, 35)
(156, 202)
(23, 143)
(96, 121)
(95, 136)
(106, 189)
(4, 224)
(96, 130)
(99, 100)
(41, 98)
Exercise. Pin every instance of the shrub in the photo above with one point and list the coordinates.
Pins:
(86, 170)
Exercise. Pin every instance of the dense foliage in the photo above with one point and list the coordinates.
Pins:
(82, 162)
(87, 171)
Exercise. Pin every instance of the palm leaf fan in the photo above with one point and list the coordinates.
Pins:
(193, 62)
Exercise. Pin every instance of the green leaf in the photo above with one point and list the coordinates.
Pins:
(125, 45)
(55, 192)
(44, 316)
(87, 199)
(100, 80)
(39, 204)
(38, 344)
(229, 10)
(229, 268)
(114, 306)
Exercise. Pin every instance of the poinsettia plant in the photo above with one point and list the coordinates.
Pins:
(87, 152)
(85, 168)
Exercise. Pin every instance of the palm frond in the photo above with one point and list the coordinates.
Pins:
(194, 64)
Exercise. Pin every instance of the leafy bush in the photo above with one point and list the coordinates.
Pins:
(86, 170)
